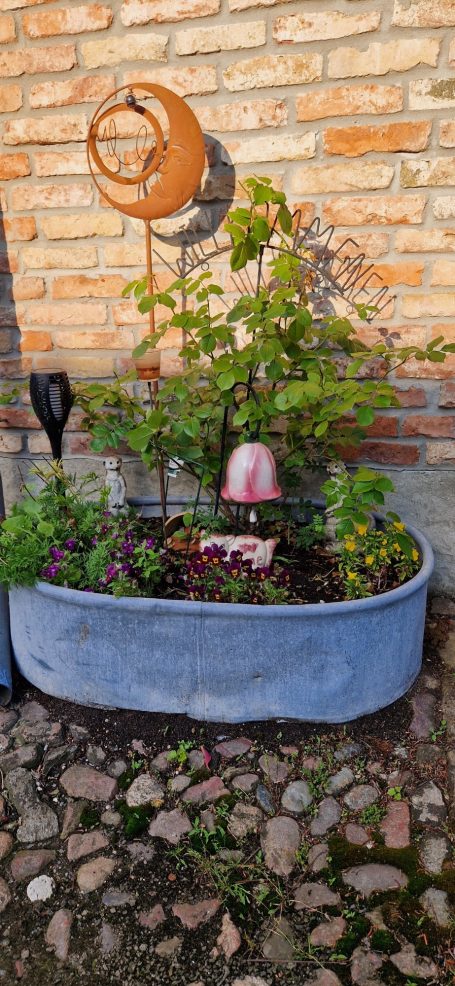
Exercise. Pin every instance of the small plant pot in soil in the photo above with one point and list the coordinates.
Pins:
(326, 662)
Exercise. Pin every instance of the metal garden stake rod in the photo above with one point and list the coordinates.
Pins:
(176, 165)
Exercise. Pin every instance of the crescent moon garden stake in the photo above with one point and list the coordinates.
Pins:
(167, 172)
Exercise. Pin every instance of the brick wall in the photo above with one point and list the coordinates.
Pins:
(347, 104)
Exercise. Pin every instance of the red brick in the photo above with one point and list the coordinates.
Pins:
(48, 258)
(427, 371)
(7, 341)
(384, 426)
(84, 224)
(9, 261)
(68, 92)
(434, 304)
(8, 317)
(30, 61)
(159, 11)
(7, 29)
(434, 425)
(323, 25)
(203, 40)
(443, 272)
(35, 130)
(133, 47)
(10, 443)
(425, 241)
(18, 417)
(447, 133)
(398, 55)
(35, 342)
(81, 286)
(27, 288)
(69, 20)
(378, 209)
(273, 70)
(190, 80)
(61, 315)
(51, 196)
(357, 140)
(439, 453)
(14, 166)
(371, 244)
(447, 395)
(242, 115)
(394, 453)
(349, 101)
(110, 339)
(10, 98)
(23, 228)
(422, 13)
(87, 367)
(405, 272)
(412, 397)
(15, 369)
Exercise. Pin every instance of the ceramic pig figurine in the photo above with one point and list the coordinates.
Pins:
(260, 552)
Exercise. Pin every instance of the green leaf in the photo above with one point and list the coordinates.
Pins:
(14, 525)
(239, 257)
(44, 527)
(226, 381)
(364, 416)
(285, 219)
(261, 229)
(139, 438)
(321, 428)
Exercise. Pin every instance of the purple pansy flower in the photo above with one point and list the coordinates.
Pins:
(56, 553)
(70, 544)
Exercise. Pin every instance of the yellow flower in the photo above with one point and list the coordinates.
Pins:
(383, 552)
(415, 554)
(396, 546)
(399, 526)
(352, 576)
(369, 559)
(350, 545)
(361, 529)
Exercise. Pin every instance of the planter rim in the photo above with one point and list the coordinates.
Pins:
(189, 607)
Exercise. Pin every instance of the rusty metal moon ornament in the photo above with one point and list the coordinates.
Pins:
(175, 166)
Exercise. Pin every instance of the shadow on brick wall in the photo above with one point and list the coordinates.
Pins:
(198, 228)
(9, 330)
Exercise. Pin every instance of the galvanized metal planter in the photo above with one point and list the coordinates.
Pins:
(329, 662)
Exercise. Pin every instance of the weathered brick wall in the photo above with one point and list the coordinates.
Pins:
(347, 104)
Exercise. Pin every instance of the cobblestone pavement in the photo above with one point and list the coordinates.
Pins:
(263, 855)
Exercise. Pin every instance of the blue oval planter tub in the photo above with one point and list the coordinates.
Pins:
(326, 662)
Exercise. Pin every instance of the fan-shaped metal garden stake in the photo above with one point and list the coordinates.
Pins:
(167, 173)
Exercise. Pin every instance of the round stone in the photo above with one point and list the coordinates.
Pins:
(280, 842)
(297, 797)
(41, 888)
(374, 877)
(340, 781)
(360, 797)
(145, 790)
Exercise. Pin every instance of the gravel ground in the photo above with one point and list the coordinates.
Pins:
(144, 848)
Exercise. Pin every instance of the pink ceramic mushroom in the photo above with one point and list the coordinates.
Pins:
(251, 474)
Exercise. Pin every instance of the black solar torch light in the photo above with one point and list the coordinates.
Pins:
(52, 400)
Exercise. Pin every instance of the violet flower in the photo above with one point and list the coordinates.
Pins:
(70, 544)
(50, 572)
(56, 554)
